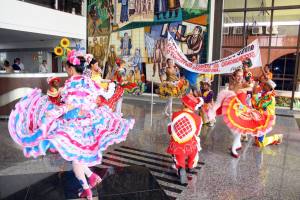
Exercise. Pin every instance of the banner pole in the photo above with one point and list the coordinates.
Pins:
(151, 101)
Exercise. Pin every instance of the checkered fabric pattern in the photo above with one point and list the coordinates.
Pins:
(183, 127)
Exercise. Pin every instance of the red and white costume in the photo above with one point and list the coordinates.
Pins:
(185, 129)
(54, 92)
(240, 118)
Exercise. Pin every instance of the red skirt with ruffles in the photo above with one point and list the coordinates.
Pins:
(111, 103)
(245, 120)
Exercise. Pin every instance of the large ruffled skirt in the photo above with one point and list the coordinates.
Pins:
(242, 119)
(133, 88)
(78, 134)
(173, 89)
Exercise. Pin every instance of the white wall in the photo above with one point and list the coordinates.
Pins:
(22, 16)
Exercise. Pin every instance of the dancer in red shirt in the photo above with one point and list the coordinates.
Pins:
(185, 130)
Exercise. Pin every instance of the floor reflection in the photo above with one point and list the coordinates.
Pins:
(120, 183)
(268, 173)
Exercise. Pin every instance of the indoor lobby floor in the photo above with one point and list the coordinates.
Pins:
(140, 169)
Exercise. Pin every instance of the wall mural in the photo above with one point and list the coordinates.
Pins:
(136, 31)
(127, 11)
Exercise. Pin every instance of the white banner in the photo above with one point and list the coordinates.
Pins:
(249, 54)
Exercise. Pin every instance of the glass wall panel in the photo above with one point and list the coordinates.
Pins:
(285, 28)
(256, 27)
(282, 36)
(283, 69)
(258, 4)
(229, 4)
(233, 28)
(286, 3)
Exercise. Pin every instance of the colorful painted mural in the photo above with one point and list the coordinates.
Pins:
(136, 32)
(127, 11)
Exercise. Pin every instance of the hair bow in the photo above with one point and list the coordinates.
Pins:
(88, 58)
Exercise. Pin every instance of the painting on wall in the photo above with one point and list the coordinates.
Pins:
(98, 46)
(127, 11)
(193, 39)
(194, 4)
(126, 43)
(136, 31)
(166, 10)
(100, 14)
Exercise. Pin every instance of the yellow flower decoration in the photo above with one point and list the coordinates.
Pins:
(65, 42)
(58, 51)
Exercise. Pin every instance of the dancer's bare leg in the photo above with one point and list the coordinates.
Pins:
(154, 69)
(93, 178)
(80, 175)
(87, 171)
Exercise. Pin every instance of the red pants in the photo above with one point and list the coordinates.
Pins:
(192, 157)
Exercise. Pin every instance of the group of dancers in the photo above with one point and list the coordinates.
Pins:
(176, 86)
(83, 117)
(247, 107)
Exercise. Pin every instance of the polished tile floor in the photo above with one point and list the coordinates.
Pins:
(269, 173)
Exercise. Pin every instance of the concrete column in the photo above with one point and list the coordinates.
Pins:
(56, 5)
(216, 36)
(84, 8)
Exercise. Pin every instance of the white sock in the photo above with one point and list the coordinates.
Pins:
(87, 171)
(168, 108)
(119, 105)
(171, 104)
(236, 142)
(79, 173)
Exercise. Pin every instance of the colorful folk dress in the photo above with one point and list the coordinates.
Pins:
(241, 118)
(129, 87)
(78, 129)
(173, 87)
(185, 143)
(110, 93)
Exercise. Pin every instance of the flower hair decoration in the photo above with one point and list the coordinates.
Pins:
(72, 57)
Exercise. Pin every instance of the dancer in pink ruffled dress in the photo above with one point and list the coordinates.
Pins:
(78, 129)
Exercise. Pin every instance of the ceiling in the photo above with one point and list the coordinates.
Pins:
(13, 36)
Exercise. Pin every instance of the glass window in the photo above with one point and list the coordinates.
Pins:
(233, 28)
(256, 22)
(286, 2)
(70, 6)
(285, 27)
(2, 57)
(259, 4)
(230, 4)
(283, 68)
(45, 3)
(284, 35)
